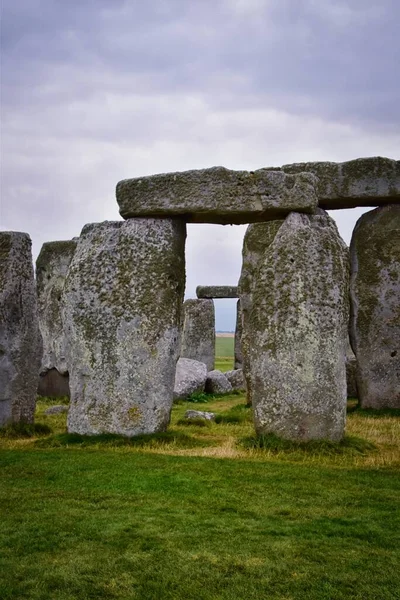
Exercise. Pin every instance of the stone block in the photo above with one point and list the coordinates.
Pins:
(294, 297)
(198, 336)
(238, 338)
(122, 306)
(236, 379)
(200, 414)
(371, 181)
(218, 195)
(20, 340)
(51, 270)
(217, 291)
(190, 378)
(217, 383)
(375, 306)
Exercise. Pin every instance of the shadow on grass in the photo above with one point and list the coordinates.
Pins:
(198, 422)
(155, 440)
(236, 415)
(24, 430)
(203, 398)
(350, 445)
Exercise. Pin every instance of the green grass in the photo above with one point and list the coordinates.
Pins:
(200, 512)
(224, 364)
(224, 346)
(224, 353)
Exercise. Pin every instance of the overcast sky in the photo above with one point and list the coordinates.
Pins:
(94, 91)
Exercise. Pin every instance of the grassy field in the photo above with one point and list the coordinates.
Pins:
(201, 512)
(224, 353)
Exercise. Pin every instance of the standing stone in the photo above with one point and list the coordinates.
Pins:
(122, 306)
(294, 297)
(351, 377)
(20, 340)
(351, 368)
(375, 306)
(238, 336)
(198, 337)
(51, 270)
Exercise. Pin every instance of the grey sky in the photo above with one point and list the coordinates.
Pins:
(94, 91)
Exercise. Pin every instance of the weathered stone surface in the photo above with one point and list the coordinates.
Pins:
(217, 383)
(20, 339)
(371, 181)
(53, 384)
(200, 414)
(238, 336)
(375, 304)
(218, 195)
(217, 291)
(190, 378)
(351, 377)
(51, 270)
(122, 320)
(294, 296)
(236, 379)
(198, 336)
(56, 410)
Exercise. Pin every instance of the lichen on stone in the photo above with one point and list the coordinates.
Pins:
(122, 310)
(294, 297)
(20, 339)
(375, 306)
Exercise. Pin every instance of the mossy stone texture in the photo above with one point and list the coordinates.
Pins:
(217, 383)
(51, 270)
(375, 306)
(122, 306)
(20, 339)
(294, 297)
(371, 181)
(236, 379)
(198, 336)
(190, 378)
(217, 291)
(218, 195)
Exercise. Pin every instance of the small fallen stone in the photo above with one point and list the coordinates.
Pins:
(199, 414)
(57, 409)
(217, 383)
(236, 379)
(190, 378)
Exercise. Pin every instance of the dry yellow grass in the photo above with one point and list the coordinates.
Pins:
(383, 432)
(224, 440)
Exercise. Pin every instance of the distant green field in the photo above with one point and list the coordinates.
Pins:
(224, 364)
(224, 353)
(224, 346)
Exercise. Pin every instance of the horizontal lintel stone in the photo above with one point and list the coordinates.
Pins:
(361, 182)
(218, 195)
(217, 291)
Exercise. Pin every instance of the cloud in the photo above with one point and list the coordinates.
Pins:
(334, 59)
(96, 91)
